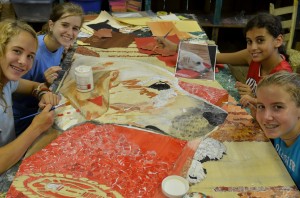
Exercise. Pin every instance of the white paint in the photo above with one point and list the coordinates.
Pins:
(84, 78)
(175, 186)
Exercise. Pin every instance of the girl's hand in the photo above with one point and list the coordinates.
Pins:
(246, 100)
(49, 98)
(243, 89)
(250, 102)
(51, 74)
(44, 120)
(165, 43)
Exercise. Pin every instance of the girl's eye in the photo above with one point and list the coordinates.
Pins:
(278, 107)
(31, 57)
(260, 40)
(248, 42)
(259, 106)
(17, 51)
(76, 29)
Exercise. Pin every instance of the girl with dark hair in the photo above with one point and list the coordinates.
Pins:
(264, 54)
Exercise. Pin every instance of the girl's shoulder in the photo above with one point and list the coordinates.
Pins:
(11, 86)
(283, 65)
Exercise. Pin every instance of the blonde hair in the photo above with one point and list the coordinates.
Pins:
(288, 81)
(8, 29)
(59, 10)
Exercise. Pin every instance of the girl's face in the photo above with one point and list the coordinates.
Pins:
(277, 112)
(261, 44)
(19, 56)
(66, 29)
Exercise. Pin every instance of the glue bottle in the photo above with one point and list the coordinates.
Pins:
(84, 78)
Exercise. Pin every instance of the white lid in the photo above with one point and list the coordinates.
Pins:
(175, 186)
(83, 69)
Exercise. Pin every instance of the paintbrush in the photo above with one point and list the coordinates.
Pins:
(168, 33)
(54, 107)
(231, 103)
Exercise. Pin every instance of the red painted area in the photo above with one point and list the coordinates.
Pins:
(211, 94)
(98, 100)
(129, 161)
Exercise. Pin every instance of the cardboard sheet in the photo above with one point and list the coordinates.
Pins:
(140, 21)
(160, 28)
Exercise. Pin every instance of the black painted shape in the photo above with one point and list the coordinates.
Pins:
(160, 86)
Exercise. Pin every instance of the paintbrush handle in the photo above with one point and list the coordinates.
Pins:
(29, 116)
(168, 33)
(231, 103)
(34, 114)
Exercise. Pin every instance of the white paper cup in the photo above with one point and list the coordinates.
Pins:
(175, 186)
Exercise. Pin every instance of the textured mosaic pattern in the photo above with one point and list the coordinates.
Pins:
(100, 161)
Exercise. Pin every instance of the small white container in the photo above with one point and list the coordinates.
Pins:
(175, 186)
(84, 78)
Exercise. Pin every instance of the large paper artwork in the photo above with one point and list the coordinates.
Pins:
(139, 94)
(92, 160)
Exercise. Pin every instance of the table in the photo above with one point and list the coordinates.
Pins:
(250, 165)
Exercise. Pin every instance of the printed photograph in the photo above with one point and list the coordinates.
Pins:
(196, 61)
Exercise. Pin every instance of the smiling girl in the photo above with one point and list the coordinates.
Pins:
(18, 45)
(278, 113)
(57, 35)
(265, 54)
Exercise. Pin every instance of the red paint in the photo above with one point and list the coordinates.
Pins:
(98, 100)
(130, 161)
(211, 94)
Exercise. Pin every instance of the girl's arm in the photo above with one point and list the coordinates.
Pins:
(27, 87)
(241, 57)
(39, 90)
(11, 153)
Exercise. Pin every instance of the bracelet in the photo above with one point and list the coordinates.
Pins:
(41, 93)
(37, 92)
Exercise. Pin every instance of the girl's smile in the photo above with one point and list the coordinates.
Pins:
(277, 113)
(66, 29)
(19, 56)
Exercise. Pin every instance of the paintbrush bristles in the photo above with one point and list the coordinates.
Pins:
(61, 105)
